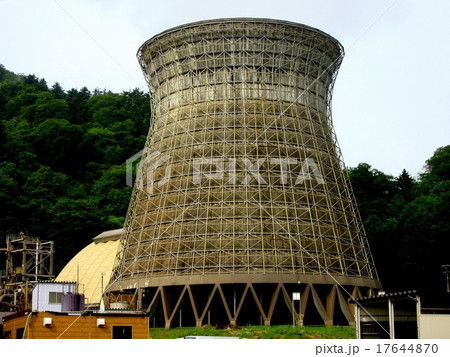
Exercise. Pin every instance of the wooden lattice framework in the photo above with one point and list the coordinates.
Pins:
(241, 180)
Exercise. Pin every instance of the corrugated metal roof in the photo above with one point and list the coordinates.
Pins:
(384, 296)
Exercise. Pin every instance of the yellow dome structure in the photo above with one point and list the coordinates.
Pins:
(93, 265)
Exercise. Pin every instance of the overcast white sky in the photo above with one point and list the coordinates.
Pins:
(390, 103)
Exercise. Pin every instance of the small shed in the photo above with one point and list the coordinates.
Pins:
(404, 314)
(57, 297)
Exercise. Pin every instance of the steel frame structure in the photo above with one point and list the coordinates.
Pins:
(241, 180)
(29, 257)
(28, 260)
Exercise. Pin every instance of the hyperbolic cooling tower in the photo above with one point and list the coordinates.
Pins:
(242, 212)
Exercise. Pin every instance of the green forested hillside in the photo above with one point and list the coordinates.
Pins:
(62, 178)
(407, 222)
(62, 159)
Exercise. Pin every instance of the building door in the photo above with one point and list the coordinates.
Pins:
(122, 332)
(20, 332)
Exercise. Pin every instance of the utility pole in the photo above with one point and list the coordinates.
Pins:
(138, 302)
(296, 296)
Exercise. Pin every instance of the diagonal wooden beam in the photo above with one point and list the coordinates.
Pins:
(273, 301)
(133, 299)
(222, 295)
(304, 302)
(198, 322)
(289, 303)
(356, 293)
(331, 302)
(241, 301)
(258, 304)
(205, 310)
(345, 308)
(319, 306)
(158, 291)
(180, 298)
(166, 306)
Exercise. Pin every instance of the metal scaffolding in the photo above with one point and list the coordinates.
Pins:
(29, 257)
(241, 180)
(27, 260)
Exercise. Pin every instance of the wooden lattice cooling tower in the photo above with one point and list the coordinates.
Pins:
(242, 212)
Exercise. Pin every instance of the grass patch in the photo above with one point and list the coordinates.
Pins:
(258, 332)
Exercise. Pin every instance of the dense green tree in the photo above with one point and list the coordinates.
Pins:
(375, 194)
(45, 107)
(138, 104)
(437, 168)
(3, 72)
(57, 91)
(10, 208)
(2, 139)
(74, 222)
(8, 77)
(79, 112)
(95, 142)
(17, 104)
(406, 187)
(17, 146)
(113, 195)
(373, 190)
(424, 227)
(407, 222)
(41, 190)
(46, 183)
(55, 141)
(8, 88)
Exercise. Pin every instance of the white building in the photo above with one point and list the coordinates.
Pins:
(49, 296)
(405, 314)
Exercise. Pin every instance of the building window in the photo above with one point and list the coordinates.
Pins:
(122, 332)
(54, 298)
